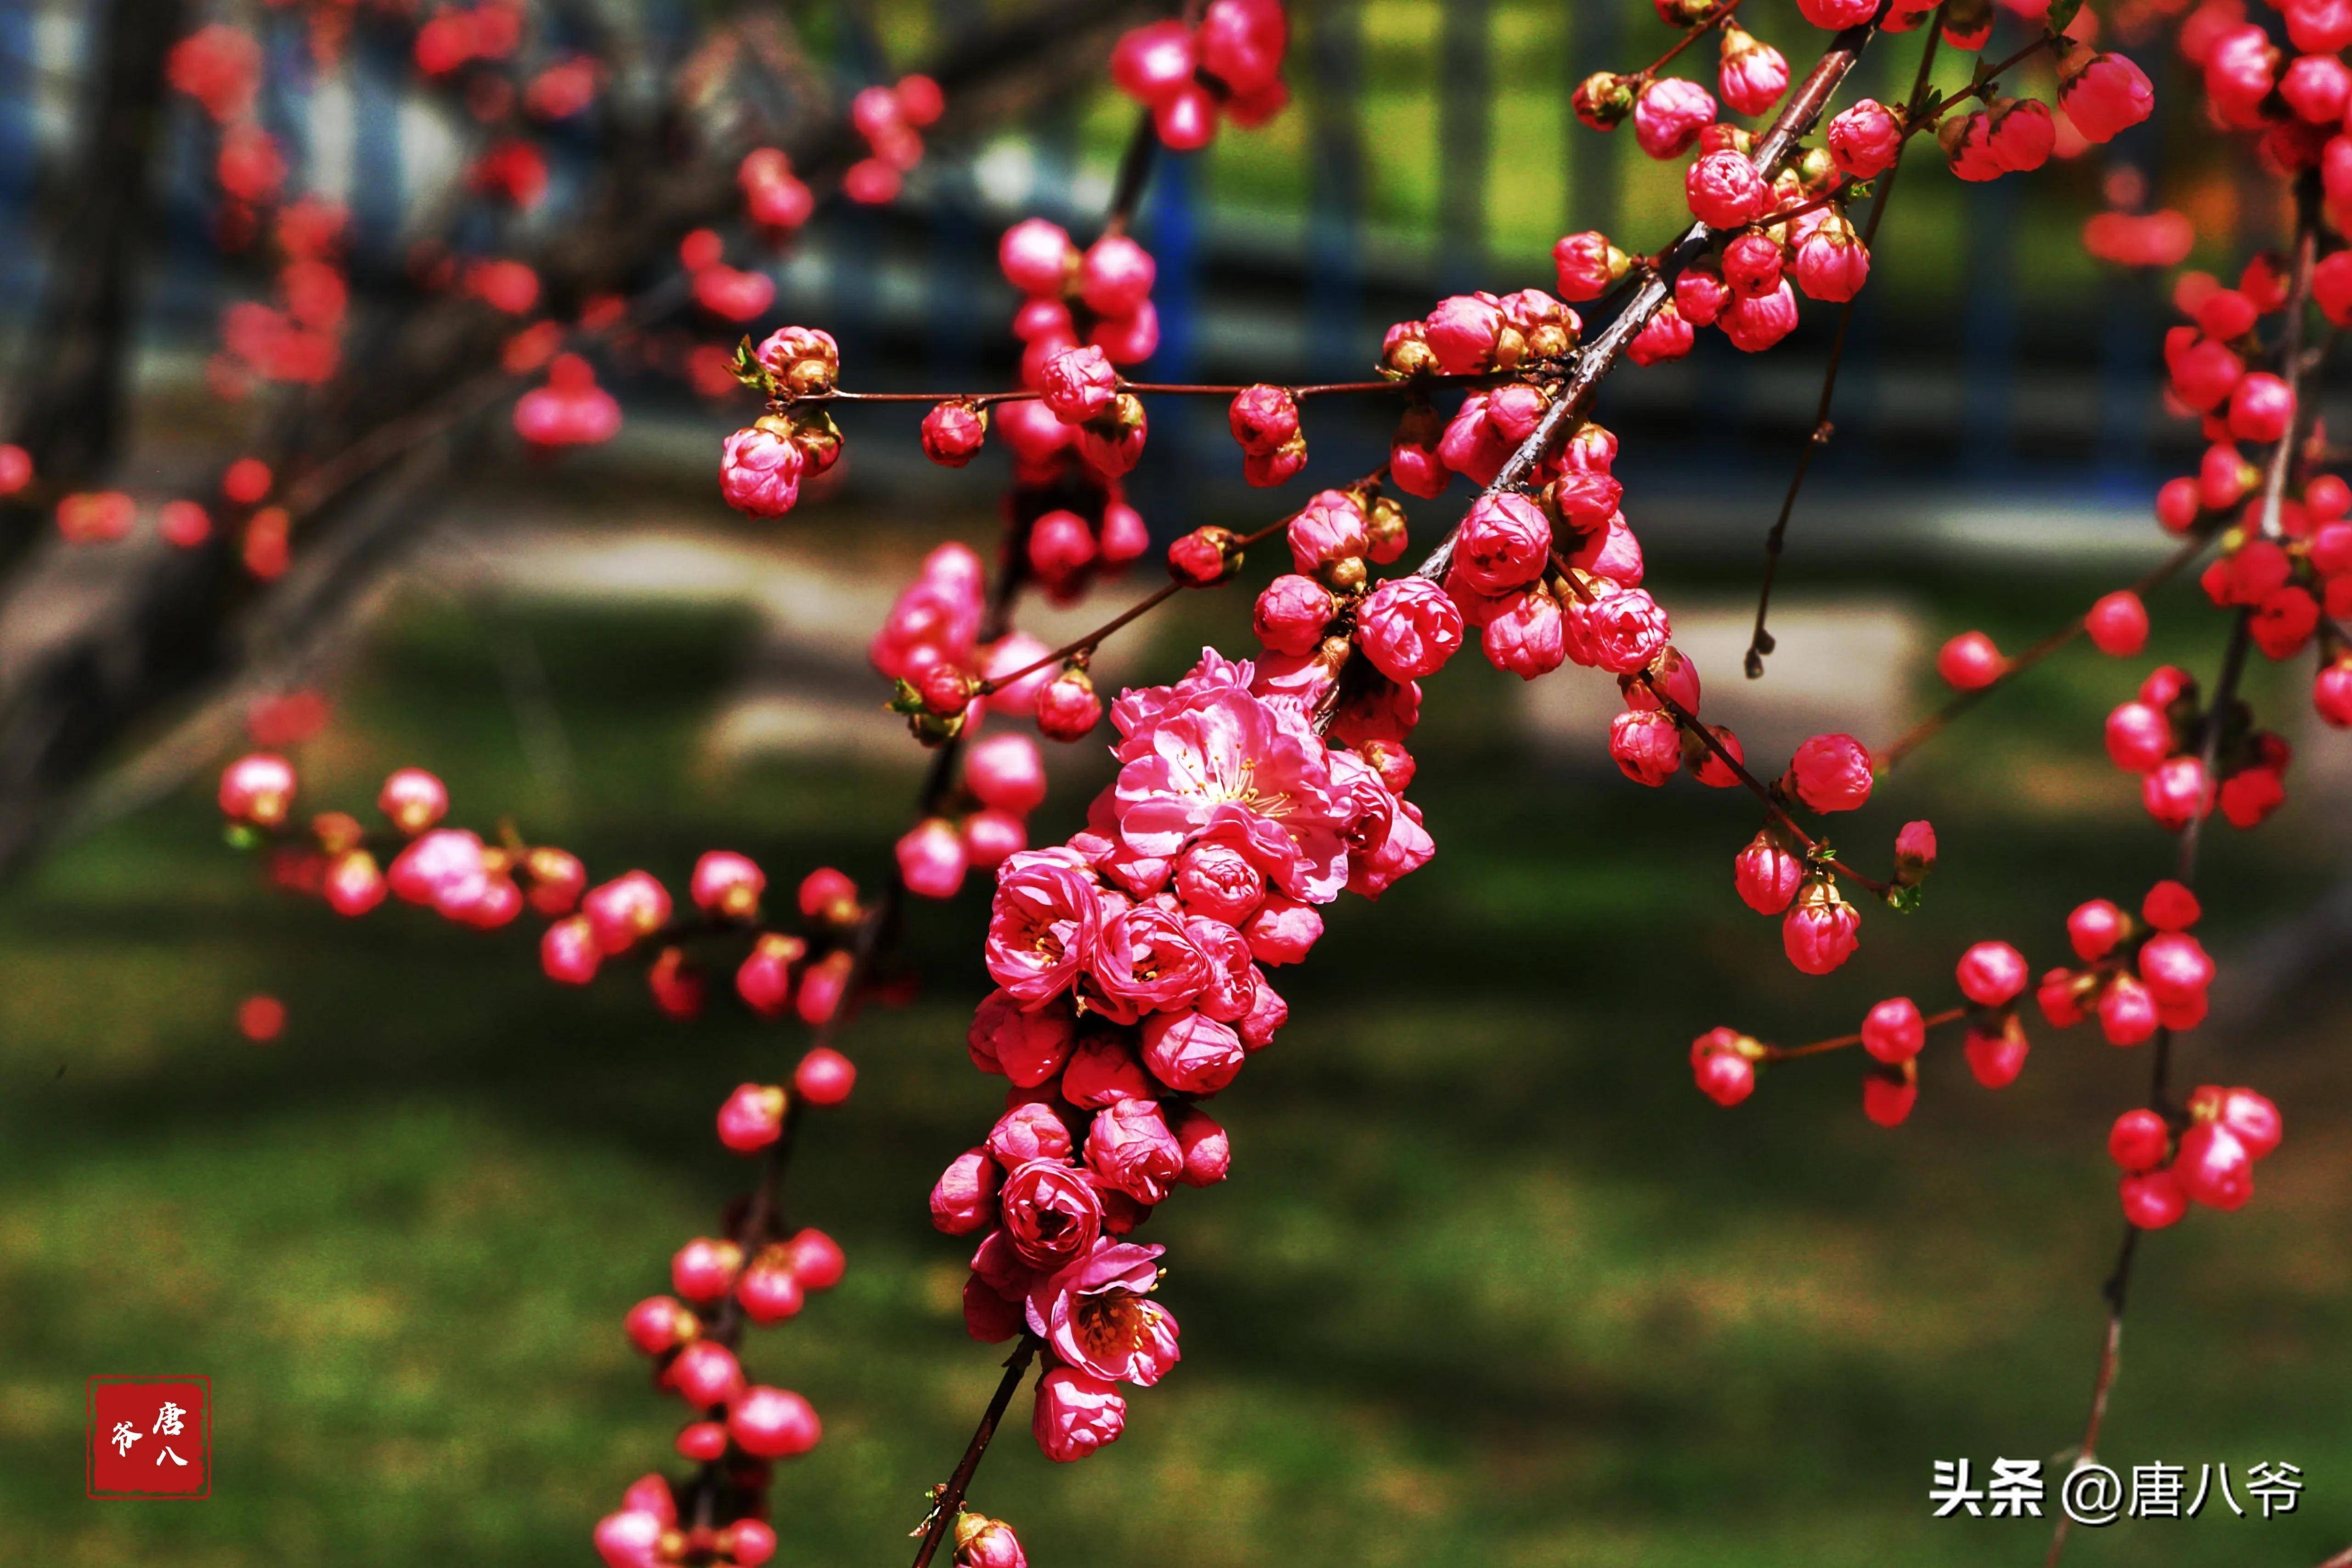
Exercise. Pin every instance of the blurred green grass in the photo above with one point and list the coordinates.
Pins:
(1492, 1284)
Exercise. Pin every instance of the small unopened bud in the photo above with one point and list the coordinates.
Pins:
(1603, 100)
(1206, 556)
(1384, 527)
(1346, 575)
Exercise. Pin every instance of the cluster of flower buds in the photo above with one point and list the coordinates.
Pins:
(1265, 421)
(761, 466)
(1229, 65)
(2158, 735)
(930, 645)
(2205, 1155)
(1472, 334)
(2138, 975)
(1099, 298)
(2208, 378)
(1105, 422)
(1131, 987)
(891, 119)
(645, 1533)
(1992, 975)
(448, 870)
(1777, 874)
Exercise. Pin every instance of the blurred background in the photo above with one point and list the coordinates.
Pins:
(1492, 1283)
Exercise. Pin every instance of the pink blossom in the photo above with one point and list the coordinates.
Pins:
(1614, 553)
(1819, 931)
(1231, 988)
(1725, 191)
(1005, 771)
(1224, 759)
(2108, 94)
(1527, 636)
(1208, 1154)
(1894, 1032)
(1129, 1148)
(1669, 115)
(2022, 134)
(1473, 445)
(1075, 1414)
(1078, 385)
(1190, 1053)
(1215, 879)
(1282, 930)
(1503, 543)
(1330, 527)
(953, 432)
(964, 1198)
(1153, 63)
(1103, 1070)
(2177, 792)
(1755, 324)
(1865, 139)
(1700, 295)
(1142, 963)
(760, 472)
(1830, 773)
(1646, 745)
(1992, 973)
(1767, 876)
(1752, 75)
(1587, 264)
(1263, 419)
(1291, 614)
(1837, 14)
(1831, 263)
(1408, 628)
(1051, 1212)
(1115, 277)
(931, 860)
(1265, 1018)
(1096, 1313)
(1664, 338)
(1027, 1046)
(1042, 927)
(1465, 332)
(1616, 629)
(1037, 256)
(1033, 1130)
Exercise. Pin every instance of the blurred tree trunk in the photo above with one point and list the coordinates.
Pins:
(69, 399)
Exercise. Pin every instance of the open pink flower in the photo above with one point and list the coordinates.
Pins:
(1097, 1315)
(1042, 926)
(1229, 761)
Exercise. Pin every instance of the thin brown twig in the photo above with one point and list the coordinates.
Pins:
(949, 1502)
(1094, 639)
(1691, 35)
(1759, 641)
(1844, 1042)
(1927, 728)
